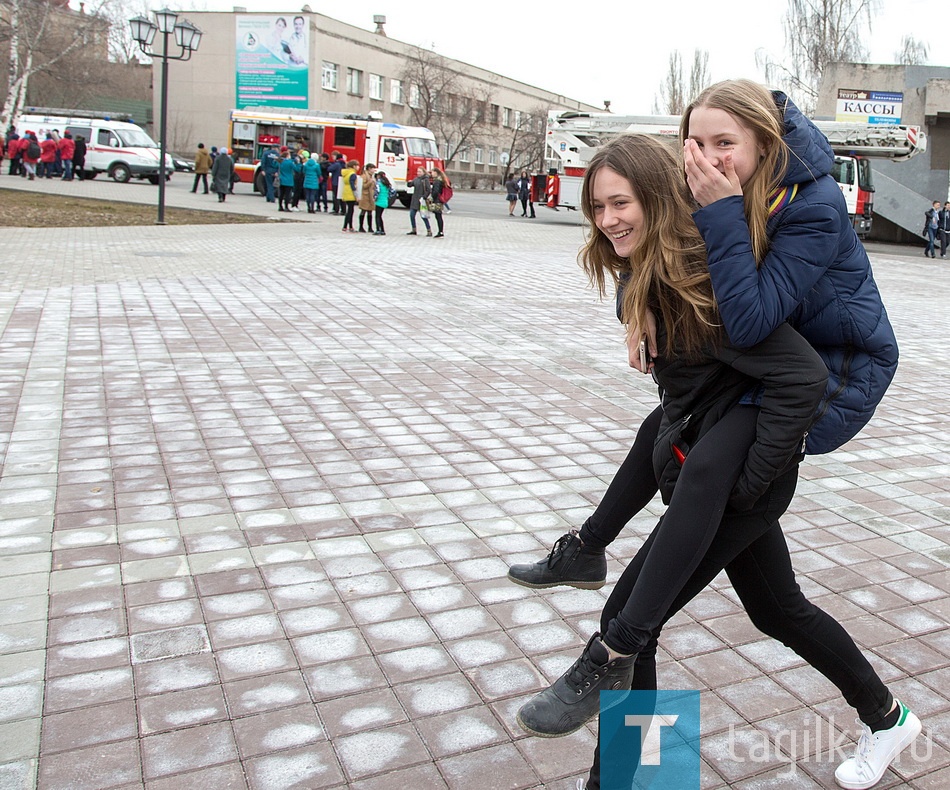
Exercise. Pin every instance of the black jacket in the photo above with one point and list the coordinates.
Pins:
(695, 393)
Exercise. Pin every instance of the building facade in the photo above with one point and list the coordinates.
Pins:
(484, 122)
(903, 190)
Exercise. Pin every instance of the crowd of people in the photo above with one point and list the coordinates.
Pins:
(48, 155)
(334, 185)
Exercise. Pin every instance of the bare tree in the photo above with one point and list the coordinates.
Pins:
(446, 101)
(674, 93)
(818, 32)
(913, 52)
(525, 145)
(41, 36)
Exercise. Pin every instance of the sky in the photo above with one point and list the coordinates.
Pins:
(615, 51)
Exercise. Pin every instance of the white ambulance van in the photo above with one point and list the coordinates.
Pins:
(121, 149)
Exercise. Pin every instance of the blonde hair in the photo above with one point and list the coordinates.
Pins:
(752, 105)
(666, 271)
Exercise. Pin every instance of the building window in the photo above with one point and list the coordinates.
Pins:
(478, 156)
(517, 119)
(329, 76)
(506, 117)
(415, 97)
(480, 112)
(354, 82)
(395, 92)
(445, 151)
(463, 155)
(492, 157)
(376, 87)
(493, 118)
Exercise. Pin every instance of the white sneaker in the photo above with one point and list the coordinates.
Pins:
(876, 751)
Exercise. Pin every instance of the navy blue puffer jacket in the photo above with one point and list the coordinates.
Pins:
(816, 275)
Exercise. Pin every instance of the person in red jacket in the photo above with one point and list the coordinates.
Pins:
(47, 157)
(67, 147)
(29, 158)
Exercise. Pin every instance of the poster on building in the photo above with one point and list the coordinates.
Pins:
(862, 106)
(272, 63)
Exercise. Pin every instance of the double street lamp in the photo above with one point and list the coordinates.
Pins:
(187, 37)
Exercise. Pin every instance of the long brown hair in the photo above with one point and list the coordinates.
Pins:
(752, 105)
(666, 271)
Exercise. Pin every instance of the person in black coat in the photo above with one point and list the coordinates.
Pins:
(79, 157)
(524, 194)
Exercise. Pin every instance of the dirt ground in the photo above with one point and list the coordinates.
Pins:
(32, 210)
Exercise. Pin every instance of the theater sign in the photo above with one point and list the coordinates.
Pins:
(859, 106)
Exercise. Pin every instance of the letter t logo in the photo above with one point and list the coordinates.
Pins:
(650, 736)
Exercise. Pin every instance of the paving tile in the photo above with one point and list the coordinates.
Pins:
(220, 777)
(359, 712)
(88, 726)
(369, 753)
(87, 688)
(99, 767)
(497, 766)
(311, 767)
(187, 749)
(181, 709)
(269, 692)
(460, 732)
(274, 731)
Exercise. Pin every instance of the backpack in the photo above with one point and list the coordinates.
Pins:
(392, 198)
(33, 150)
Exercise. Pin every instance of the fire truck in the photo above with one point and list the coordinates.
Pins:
(396, 150)
(573, 138)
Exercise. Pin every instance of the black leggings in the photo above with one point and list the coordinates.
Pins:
(367, 216)
(379, 219)
(349, 207)
(689, 524)
(438, 220)
(284, 197)
(752, 549)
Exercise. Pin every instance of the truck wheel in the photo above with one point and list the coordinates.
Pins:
(153, 180)
(260, 185)
(88, 175)
(120, 173)
(405, 198)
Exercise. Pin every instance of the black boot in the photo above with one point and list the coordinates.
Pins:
(574, 698)
(566, 564)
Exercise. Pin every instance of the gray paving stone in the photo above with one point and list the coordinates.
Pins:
(261, 484)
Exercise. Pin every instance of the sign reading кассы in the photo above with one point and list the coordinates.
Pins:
(869, 106)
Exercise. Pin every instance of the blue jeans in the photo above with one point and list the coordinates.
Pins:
(269, 185)
(931, 242)
(412, 219)
(67, 170)
(310, 195)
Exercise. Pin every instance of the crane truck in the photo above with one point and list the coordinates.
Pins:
(574, 137)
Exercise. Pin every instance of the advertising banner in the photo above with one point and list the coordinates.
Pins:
(860, 106)
(273, 61)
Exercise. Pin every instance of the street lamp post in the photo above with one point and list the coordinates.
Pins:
(187, 37)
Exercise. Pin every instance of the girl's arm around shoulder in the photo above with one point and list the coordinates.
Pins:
(793, 379)
(755, 300)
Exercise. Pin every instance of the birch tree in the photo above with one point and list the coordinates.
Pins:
(818, 32)
(913, 52)
(675, 92)
(38, 36)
